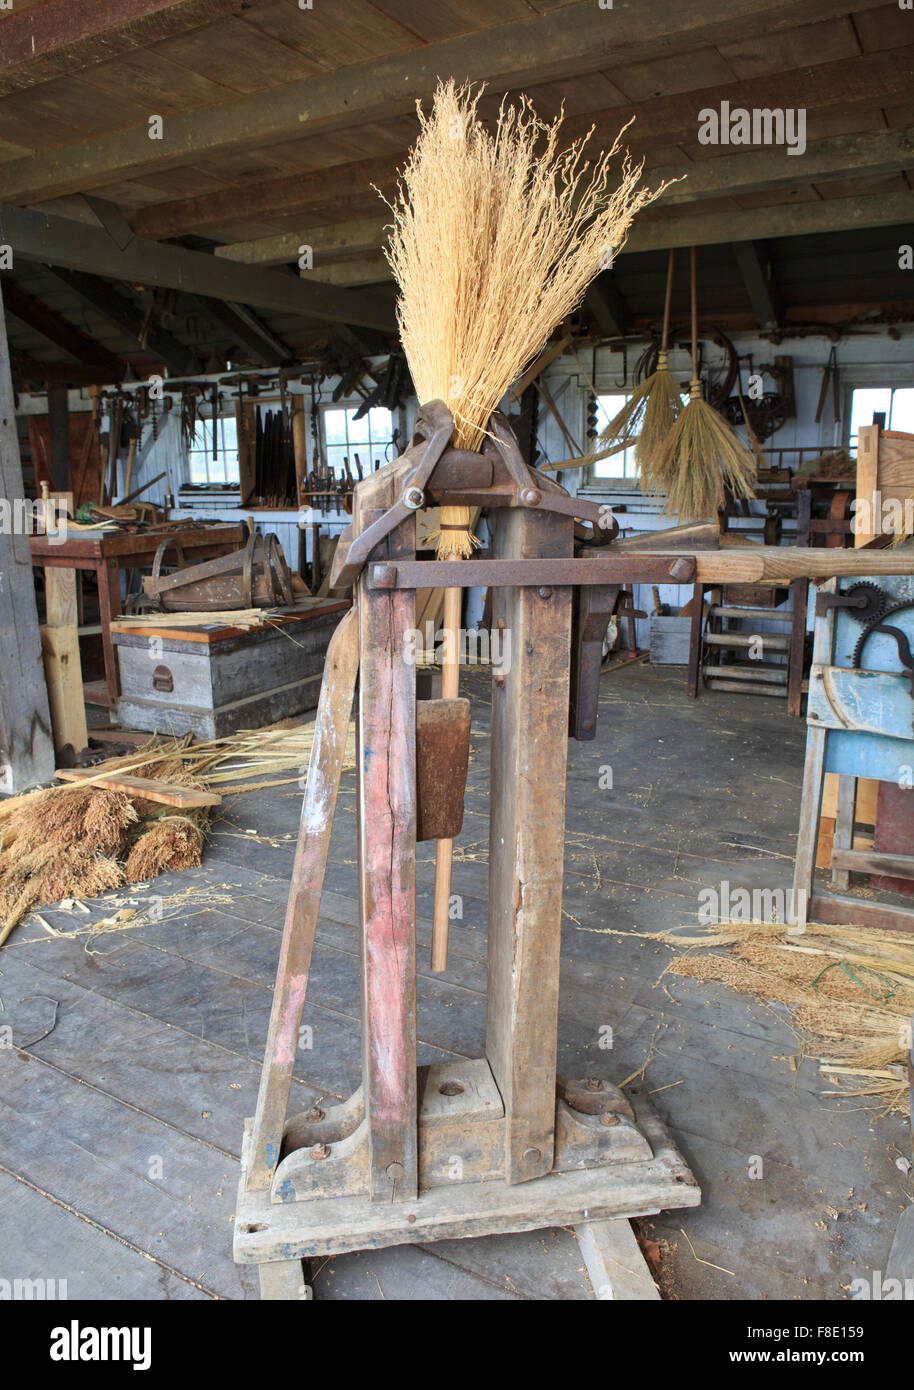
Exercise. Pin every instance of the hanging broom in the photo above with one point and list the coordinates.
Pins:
(495, 239)
(650, 412)
(701, 457)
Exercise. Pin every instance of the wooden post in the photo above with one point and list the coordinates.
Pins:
(526, 839)
(62, 666)
(26, 749)
(244, 420)
(300, 446)
(387, 865)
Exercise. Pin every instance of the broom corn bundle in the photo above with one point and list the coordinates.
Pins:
(701, 458)
(495, 238)
(653, 407)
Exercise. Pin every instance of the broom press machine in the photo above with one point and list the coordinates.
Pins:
(500, 1143)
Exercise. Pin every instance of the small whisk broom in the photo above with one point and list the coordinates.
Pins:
(701, 457)
(650, 412)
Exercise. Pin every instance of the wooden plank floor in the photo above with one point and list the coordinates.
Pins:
(136, 1060)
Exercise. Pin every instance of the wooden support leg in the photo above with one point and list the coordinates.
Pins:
(324, 769)
(387, 875)
(844, 827)
(698, 604)
(63, 671)
(109, 604)
(529, 755)
(799, 591)
(813, 779)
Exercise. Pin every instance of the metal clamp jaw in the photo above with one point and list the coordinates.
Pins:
(480, 474)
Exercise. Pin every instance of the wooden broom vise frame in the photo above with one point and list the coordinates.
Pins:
(500, 1143)
(420, 1153)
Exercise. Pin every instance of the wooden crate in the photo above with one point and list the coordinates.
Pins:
(212, 681)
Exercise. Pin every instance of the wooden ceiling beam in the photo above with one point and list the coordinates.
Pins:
(870, 80)
(61, 37)
(327, 242)
(783, 220)
(748, 170)
(284, 193)
(37, 236)
(758, 277)
(577, 38)
(607, 306)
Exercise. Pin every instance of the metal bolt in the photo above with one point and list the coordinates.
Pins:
(499, 678)
(544, 593)
(593, 1084)
(609, 1120)
(532, 1155)
(319, 1151)
(414, 498)
(383, 576)
(411, 1218)
(315, 1114)
(531, 497)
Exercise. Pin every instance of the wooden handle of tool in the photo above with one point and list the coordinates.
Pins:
(694, 292)
(444, 849)
(665, 336)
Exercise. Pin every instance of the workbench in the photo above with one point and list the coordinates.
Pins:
(107, 553)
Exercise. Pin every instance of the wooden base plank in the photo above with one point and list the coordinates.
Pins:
(266, 1231)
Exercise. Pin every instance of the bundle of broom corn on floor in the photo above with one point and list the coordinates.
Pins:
(847, 991)
(79, 840)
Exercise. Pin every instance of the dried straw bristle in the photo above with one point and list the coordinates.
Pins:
(50, 872)
(495, 240)
(699, 460)
(173, 842)
(61, 817)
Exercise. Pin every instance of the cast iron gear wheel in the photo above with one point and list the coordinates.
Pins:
(882, 621)
(877, 601)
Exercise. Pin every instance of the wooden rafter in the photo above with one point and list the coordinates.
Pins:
(38, 236)
(57, 330)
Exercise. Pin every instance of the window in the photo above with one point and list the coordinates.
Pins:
(622, 464)
(223, 468)
(896, 403)
(345, 437)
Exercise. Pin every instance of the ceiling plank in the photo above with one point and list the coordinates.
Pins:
(576, 38)
(59, 38)
(36, 236)
(57, 330)
(758, 277)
